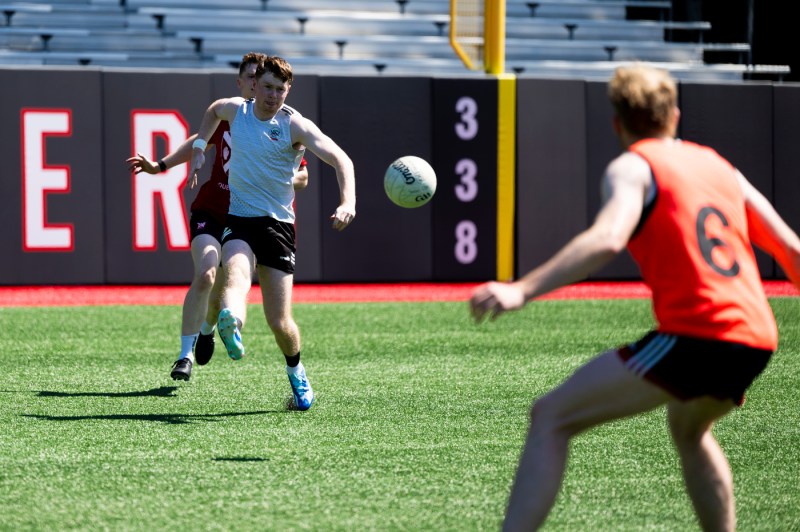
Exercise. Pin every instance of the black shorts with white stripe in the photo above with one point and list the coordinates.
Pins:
(688, 368)
(272, 242)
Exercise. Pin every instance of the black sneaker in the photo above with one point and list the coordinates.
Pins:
(182, 369)
(204, 348)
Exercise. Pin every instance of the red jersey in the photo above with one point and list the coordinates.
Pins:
(214, 196)
(694, 250)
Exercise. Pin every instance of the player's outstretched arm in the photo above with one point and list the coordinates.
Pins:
(140, 163)
(224, 109)
(770, 232)
(624, 185)
(306, 132)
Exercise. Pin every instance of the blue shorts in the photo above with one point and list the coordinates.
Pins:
(692, 367)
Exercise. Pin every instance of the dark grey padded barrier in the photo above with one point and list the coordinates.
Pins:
(564, 142)
(786, 138)
(551, 199)
(55, 113)
(376, 120)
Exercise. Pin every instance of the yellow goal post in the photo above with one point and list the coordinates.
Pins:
(478, 33)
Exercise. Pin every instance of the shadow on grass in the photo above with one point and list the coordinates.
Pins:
(164, 391)
(170, 419)
(238, 459)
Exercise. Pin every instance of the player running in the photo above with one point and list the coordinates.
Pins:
(688, 218)
(208, 213)
(270, 139)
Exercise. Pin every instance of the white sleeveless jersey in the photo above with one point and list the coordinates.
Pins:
(262, 165)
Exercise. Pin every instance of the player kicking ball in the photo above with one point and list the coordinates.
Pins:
(208, 213)
(259, 236)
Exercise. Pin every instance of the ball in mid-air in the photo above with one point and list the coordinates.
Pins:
(410, 181)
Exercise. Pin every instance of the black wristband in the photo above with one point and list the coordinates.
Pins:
(162, 166)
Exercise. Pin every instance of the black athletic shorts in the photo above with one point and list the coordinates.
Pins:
(691, 367)
(273, 242)
(203, 223)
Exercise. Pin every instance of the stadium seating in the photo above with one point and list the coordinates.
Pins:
(583, 38)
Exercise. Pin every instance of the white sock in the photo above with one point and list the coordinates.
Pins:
(294, 370)
(187, 346)
(207, 329)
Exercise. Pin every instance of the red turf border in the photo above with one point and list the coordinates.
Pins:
(27, 296)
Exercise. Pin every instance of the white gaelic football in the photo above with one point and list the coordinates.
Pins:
(410, 182)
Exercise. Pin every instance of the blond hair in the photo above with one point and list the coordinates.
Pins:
(644, 98)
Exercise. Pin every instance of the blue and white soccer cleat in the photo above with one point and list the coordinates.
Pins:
(229, 332)
(301, 388)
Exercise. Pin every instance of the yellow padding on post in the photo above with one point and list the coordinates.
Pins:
(506, 174)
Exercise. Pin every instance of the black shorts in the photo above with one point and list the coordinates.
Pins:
(203, 223)
(272, 242)
(691, 367)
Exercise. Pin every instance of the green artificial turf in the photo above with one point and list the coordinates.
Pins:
(419, 419)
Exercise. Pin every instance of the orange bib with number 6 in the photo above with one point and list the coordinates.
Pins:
(694, 252)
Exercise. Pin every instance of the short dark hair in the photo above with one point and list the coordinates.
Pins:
(249, 59)
(277, 66)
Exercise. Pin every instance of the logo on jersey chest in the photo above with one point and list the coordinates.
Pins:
(274, 133)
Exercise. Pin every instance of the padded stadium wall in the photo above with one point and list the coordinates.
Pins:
(74, 215)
